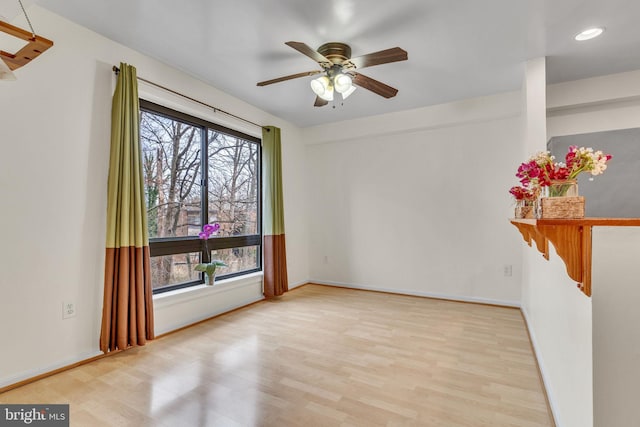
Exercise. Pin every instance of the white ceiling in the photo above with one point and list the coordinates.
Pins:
(457, 48)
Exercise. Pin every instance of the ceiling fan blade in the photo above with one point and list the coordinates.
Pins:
(374, 86)
(320, 102)
(311, 53)
(292, 76)
(382, 57)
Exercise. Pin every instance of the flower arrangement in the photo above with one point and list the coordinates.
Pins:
(210, 267)
(538, 171)
(583, 159)
(541, 170)
(524, 194)
(525, 198)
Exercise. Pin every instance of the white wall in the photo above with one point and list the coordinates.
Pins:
(53, 175)
(558, 315)
(616, 342)
(594, 105)
(417, 202)
(184, 307)
(559, 319)
(588, 348)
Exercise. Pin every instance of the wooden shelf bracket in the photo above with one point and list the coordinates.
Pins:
(531, 234)
(572, 243)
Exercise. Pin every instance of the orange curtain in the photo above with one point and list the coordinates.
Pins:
(127, 311)
(275, 254)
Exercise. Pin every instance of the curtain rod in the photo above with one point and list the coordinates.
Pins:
(215, 109)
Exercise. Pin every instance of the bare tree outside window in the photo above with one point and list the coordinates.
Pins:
(171, 163)
(233, 188)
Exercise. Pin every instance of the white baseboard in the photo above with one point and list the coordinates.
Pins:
(412, 292)
(541, 366)
(32, 373)
(298, 284)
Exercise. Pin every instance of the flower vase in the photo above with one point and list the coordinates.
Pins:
(209, 279)
(562, 188)
(561, 201)
(524, 209)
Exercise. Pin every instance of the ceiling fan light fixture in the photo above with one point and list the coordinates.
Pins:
(338, 70)
(328, 95)
(322, 87)
(342, 83)
(348, 92)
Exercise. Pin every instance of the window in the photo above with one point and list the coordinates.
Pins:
(185, 189)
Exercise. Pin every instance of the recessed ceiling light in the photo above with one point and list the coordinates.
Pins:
(589, 34)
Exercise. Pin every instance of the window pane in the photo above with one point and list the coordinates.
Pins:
(171, 166)
(178, 153)
(174, 269)
(233, 184)
(237, 259)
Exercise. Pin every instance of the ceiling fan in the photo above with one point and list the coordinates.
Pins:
(339, 70)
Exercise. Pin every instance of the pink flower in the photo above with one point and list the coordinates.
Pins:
(561, 172)
(210, 228)
(522, 193)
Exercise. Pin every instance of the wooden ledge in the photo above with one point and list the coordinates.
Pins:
(599, 222)
(572, 240)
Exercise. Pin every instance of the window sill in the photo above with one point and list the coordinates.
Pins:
(195, 292)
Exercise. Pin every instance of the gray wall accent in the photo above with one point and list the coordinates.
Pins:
(615, 193)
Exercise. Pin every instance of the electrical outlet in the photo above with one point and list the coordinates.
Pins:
(68, 310)
(508, 270)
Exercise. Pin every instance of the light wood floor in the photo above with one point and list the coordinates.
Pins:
(319, 356)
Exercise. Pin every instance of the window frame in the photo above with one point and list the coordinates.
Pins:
(163, 246)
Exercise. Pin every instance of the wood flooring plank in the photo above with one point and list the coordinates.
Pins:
(317, 356)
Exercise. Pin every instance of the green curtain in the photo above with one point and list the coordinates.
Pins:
(275, 254)
(127, 311)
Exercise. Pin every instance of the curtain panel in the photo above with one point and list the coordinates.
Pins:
(127, 312)
(275, 254)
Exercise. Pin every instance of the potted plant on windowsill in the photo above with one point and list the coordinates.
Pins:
(209, 267)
